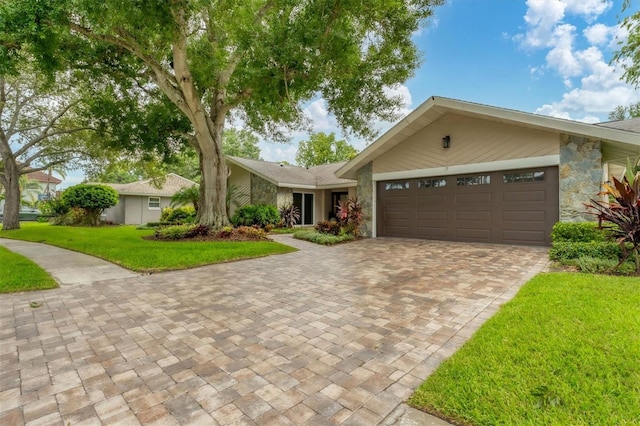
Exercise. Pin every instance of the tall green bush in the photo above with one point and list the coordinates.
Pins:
(177, 215)
(262, 215)
(93, 199)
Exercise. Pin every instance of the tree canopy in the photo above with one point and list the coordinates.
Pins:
(42, 126)
(259, 61)
(629, 53)
(622, 112)
(240, 143)
(323, 149)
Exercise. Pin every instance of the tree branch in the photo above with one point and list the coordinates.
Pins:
(161, 76)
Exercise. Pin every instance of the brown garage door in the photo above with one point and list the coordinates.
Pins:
(507, 207)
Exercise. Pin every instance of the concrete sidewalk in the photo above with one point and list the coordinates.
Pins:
(68, 267)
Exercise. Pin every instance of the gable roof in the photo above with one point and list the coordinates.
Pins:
(171, 185)
(284, 175)
(43, 177)
(619, 140)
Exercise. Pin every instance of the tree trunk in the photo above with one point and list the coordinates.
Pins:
(11, 183)
(213, 185)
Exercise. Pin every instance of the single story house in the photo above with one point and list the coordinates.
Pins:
(461, 171)
(142, 202)
(315, 190)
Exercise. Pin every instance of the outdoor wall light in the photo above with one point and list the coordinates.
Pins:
(446, 141)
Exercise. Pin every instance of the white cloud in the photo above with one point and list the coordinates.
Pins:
(542, 17)
(276, 152)
(599, 88)
(598, 34)
(561, 57)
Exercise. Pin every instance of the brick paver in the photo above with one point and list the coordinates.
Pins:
(326, 335)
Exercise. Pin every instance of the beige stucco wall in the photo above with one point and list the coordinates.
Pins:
(241, 179)
(472, 141)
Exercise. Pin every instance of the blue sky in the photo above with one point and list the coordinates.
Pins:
(547, 57)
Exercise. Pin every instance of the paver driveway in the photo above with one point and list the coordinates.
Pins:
(337, 335)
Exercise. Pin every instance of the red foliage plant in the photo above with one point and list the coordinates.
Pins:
(620, 215)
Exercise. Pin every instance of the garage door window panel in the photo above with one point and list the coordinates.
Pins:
(392, 186)
(432, 183)
(473, 180)
(536, 176)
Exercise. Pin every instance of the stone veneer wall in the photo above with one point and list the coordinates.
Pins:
(263, 191)
(284, 197)
(580, 176)
(364, 191)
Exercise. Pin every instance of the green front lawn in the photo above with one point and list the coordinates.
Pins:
(17, 273)
(564, 351)
(124, 246)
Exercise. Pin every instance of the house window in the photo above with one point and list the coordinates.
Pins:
(396, 185)
(523, 177)
(432, 183)
(154, 203)
(474, 180)
(304, 202)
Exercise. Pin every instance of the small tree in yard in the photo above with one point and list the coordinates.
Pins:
(93, 199)
(621, 215)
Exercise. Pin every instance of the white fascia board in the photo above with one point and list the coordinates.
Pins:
(338, 185)
(296, 186)
(490, 166)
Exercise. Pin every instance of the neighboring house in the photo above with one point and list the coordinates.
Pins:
(314, 190)
(460, 171)
(46, 186)
(141, 202)
(41, 186)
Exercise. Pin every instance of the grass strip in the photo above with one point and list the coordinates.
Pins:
(564, 351)
(123, 245)
(17, 273)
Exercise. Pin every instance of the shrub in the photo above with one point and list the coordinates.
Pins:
(568, 251)
(242, 233)
(350, 215)
(256, 214)
(326, 227)
(621, 214)
(54, 207)
(75, 216)
(178, 215)
(157, 224)
(289, 215)
(198, 231)
(594, 265)
(325, 239)
(577, 232)
(92, 198)
(174, 232)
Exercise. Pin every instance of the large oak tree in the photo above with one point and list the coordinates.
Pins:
(260, 60)
(40, 128)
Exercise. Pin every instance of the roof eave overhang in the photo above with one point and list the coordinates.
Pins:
(402, 130)
(250, 170)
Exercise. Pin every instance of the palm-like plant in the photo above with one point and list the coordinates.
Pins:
(621, 215)
(186, 196)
